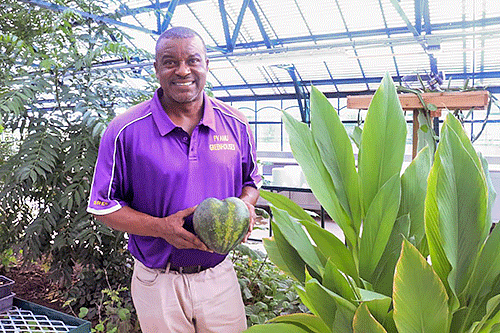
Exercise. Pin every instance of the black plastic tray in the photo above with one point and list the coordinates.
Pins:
(25, 311)
(6, 302)
(5, 286)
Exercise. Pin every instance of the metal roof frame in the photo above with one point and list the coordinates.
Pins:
(261, 37)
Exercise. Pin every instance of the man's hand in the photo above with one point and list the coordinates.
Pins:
(253, 217)
(170, 229)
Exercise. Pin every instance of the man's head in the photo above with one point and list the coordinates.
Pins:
(181, 65)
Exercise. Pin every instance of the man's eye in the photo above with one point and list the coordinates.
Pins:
(194, 61)
(169, 63)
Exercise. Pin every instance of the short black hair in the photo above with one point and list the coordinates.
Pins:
(179, 32)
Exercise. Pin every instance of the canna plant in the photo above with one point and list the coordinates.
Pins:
(395, 223)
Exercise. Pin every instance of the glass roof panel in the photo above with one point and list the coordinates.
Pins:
(339, 43)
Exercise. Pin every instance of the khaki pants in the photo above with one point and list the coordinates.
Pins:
(209, 301)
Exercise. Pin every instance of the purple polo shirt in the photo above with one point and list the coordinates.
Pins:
(148, 163)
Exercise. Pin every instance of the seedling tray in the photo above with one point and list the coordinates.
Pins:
(5, 286)
(27, 317)
(6, 302)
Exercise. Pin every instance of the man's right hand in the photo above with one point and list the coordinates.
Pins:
(169, 228)
(174, 233)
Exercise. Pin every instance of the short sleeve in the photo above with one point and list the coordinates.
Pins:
(106, 194)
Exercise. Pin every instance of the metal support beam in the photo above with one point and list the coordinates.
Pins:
(237, 27)
(378, 79)
(168, 15)
(418, 16)
(97, 18)
(225, 23)
(300, 93)
(427, 17)
(124, 10)
(263, 32)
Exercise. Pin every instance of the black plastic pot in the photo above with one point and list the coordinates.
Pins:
(5, 286)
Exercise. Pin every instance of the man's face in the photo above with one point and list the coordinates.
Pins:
(181, 67)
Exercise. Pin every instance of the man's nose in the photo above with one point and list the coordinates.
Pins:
(183, 69)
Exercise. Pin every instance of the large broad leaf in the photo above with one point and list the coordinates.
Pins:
(278, 328)
(420, 299)
(364, 321)
(336, 151)
(335, 311)
(313, 323)
(284, 203)
(339, 283)
(287, 254)
(485, 274)
(306, 153)
(490, 322)
(332, 248)
(455, 207)
(383, 276)
(492, 194)
(292, 231)
(413, 191)
(377, 227)
(383, 141)
(378, 305)
(275, 256)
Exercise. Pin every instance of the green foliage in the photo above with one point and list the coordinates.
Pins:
(114, 312)
(266, 291)
(55, 102)
(381, 280)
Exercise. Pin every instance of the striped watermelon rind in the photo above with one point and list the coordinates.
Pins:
(221, 224)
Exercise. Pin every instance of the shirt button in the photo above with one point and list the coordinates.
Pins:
(184, 138)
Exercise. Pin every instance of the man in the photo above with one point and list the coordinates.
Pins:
(156, 162)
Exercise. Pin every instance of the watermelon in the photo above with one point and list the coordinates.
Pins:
(221, 224)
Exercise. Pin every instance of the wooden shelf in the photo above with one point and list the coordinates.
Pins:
(453, 100)
(442, 100)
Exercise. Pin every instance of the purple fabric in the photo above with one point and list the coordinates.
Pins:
(151, 165)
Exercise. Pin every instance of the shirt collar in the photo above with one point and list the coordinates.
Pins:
(165, 125)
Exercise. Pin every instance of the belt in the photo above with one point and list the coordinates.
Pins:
(185, 269)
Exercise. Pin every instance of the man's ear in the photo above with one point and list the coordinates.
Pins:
(156, 68)
(208, 61)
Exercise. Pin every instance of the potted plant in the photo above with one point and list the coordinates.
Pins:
(380, 279)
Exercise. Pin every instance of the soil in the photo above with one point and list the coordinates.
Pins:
(33, 284)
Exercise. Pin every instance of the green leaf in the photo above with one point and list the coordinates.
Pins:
(364, 322)
(277, 328)
(313, 323)
(123, 313)
(356, 136)
(337, 154)
(377, 227)
(383, 143)
(332, 248)
(383, 276)
(420, 299)
(491, 188)
(306, 153)
(377, 303)
(286, 255)
(281, 202)
(336, 281)
(294, 234)
(83, 312)
(334, 310)
(486, 271)
(455, 207)
(413, 191)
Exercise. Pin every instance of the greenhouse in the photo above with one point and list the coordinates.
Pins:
(250, 165)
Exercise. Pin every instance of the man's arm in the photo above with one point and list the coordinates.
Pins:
(250, 195)
(169, 228)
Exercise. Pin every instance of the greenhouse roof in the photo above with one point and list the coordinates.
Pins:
(269, 49)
